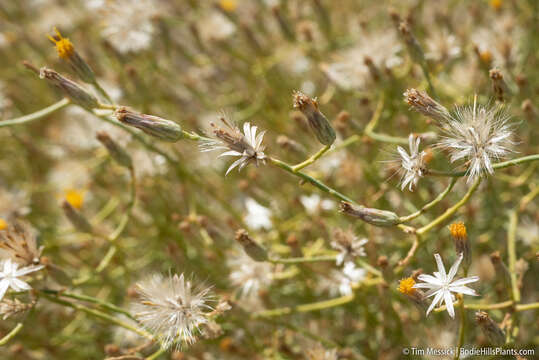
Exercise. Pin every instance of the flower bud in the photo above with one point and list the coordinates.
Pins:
(76, 218)
(498, 84)
(116, 151)
(318, 122)
(67, 52)
(421, 102)
(251, 248)
(462, 245)
(152, 125)
(71, 89)
(491, 330)
(416, 53)
(372, 216)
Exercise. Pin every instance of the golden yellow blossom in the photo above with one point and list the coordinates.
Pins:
(228, 5)
(3, 224)
(458, 230)
(406, 286)
(64, 47)
(75, 198)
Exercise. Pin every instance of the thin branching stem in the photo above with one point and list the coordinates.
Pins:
(36, 115)
(310, 179)
(426, 207)
(501, 165)
(10, 335)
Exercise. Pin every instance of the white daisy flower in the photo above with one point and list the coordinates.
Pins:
(9, 276)
(413, 164)
(478, 134)
(258, 216)
(349, 246)
(247, 146)
(441, 285)
(249, 276)
(172, 308)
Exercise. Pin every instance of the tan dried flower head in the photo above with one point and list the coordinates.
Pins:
(18, 243)
(9, 308)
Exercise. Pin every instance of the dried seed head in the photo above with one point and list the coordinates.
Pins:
(66, 51)
(71, 89)
(9, 308)
(19, 243)
(318, 122)
(76, 218)
(421, 102)
(498, 84)
(172, 308)
(479, 134)
(491, 330)
(152, 125)
(372, 216)
(251, 248)
(116, 151)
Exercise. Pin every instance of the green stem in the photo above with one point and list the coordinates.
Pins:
(512, 255)
(102, 91)
(311, 180)
(156, 354)
(11, 334)
(101, 315)
(431, 204)
(301, 260)
(90, 299)
(36, 115)
(326, 304)
(427, 77)
(449, 212)
(462, 328)
(312, 159)
(501, 165)
(523, 307)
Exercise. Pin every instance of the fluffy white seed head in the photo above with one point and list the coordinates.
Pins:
(172, 308)
(479, 134)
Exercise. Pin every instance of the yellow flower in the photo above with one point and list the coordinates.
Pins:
(75, 198)
(228, 5)
(406, 286)
(3, 224)
(496, 4)
(458, 230)
(485, 56)
(64, 47)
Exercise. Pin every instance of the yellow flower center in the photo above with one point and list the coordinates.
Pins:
(496, 4)
(228, 5)
(406, 286)
(486, 56)
(3, 224)
(64, 47)
(458, 230)
(75, 198)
